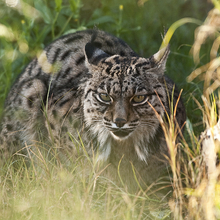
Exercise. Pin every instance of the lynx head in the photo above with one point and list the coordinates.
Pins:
(121, 98)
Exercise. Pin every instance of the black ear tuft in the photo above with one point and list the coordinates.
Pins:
(94, 54)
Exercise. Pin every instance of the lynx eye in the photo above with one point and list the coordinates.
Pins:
(104, 97)
(138, 99)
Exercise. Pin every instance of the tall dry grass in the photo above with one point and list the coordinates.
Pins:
(195, 164)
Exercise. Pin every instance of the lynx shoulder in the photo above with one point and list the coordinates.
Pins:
(92, 85)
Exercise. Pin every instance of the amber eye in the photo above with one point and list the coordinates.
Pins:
(104, 97)
(138, 98)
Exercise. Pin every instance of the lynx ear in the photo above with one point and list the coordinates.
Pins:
(159, 59)
(93, 54)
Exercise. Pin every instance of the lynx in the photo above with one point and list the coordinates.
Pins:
(92, 86)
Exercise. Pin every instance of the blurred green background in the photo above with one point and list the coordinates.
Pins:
(27, 26)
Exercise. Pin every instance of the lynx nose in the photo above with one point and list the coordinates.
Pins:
(120, 122)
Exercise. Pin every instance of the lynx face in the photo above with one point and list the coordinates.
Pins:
(122, 99)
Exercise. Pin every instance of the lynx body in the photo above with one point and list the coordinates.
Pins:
(92, 86)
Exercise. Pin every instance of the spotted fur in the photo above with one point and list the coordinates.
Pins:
(94, 86)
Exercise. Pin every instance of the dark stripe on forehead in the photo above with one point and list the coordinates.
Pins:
(109, 66)
(102, 85)
(116, 68)
(108, 70)
(130, 71)
(108, 87)
(137, 73)
(134, 60)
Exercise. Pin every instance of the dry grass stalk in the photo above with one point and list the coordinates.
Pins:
(203, 199)
(195, 173)
(209, 72)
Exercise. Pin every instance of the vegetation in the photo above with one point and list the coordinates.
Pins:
(76, 190)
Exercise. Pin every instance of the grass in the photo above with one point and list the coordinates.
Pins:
(77, 190)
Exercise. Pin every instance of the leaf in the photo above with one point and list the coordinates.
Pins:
(75, 5)
(173, 28)
(58, 5)
(71, 31)
(44, 11)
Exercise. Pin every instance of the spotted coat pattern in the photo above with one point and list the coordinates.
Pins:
(93, 85)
